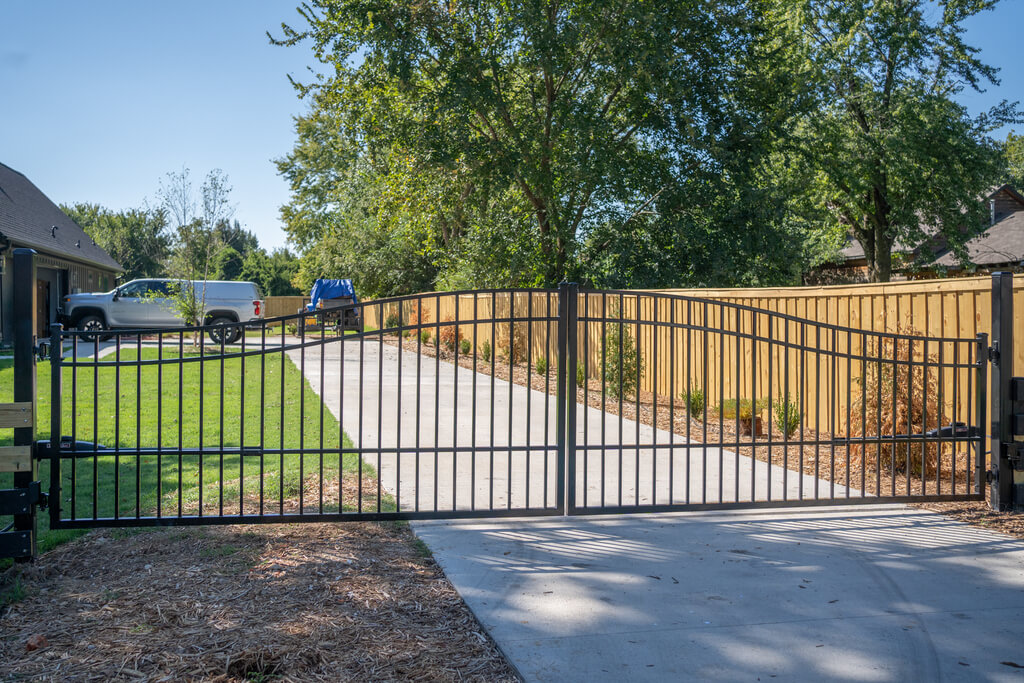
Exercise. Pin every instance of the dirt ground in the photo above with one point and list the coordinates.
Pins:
(291, 602)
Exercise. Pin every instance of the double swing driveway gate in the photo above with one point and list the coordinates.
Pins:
(507, 403)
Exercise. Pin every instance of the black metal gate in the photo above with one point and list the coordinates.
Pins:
(507, 403)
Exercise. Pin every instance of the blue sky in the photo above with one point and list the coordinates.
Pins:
(99, 99)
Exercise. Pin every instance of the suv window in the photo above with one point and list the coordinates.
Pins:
(134, 289)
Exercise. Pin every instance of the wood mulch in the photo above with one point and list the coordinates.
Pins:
(817, 461)
(356, 601)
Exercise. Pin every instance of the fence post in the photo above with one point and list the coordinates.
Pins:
(572, 332)
(25, 378)
(1002, 479)
(561, 406)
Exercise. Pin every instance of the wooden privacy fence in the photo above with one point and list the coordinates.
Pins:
(740, 351)
(276, 306)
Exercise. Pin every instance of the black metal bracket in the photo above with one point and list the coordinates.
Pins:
(20, 501)
(1015, 453)
(42, 350)
(993, 353)
(16, 544)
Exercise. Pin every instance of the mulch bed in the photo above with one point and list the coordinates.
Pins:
(354, 601)
(816, 461)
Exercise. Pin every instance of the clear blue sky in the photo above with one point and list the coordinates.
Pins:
(99, 99)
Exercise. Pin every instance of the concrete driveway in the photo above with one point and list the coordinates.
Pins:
(883, 593)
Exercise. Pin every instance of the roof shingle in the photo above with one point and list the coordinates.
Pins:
(27, 217)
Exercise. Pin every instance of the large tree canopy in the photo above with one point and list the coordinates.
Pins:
(897, 158)
(565, 116)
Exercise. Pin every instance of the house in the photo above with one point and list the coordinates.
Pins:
(68, 261)
(999, 247)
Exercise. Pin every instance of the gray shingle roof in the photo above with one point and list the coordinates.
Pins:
(1002, 243)
(27, 216)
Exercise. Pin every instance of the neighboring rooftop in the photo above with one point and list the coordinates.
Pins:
(28, 218)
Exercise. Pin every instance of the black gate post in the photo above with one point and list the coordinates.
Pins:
(572, 348)
(25, 378)
(562, 405)
(1002, 479)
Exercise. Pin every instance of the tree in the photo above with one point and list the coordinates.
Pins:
(897, 159)
(580, 111)
(1014, 149)
(232, 234)
(196, 238)
(228, 264)
(138, 239)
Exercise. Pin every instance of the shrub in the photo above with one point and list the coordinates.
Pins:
(485, 350)
(425, 336)
(623, 365)
(694, 400)
(392, 321)
(786, 414)
(541, 366)
(465, 347)
(581, 375)
(744, 409)
(518, 342)
(449, 335)
(885, 380)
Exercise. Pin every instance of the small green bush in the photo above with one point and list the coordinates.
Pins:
(425, 337)
(392, 321)
(541, 366)
(786, 414)
(465, 347)
(623, 366)
(746, 408)
(694, 399)
(485, 350)
(581, 375)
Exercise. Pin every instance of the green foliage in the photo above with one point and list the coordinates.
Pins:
(1013, 148)
(694, 400)
(624, 367)
(425, 337)
(138, 239)
(487, 149)
(465, 347)
(392, 321)
(744, 409)
(485, 350)
(581, 375)
(786, 414)
(541, 365)
(228, 264)
(892, 157)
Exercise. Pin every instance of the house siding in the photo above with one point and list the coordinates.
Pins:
(71, 278)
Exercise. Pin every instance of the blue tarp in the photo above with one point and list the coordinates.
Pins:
(330, 289)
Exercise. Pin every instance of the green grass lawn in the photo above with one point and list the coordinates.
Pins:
(153, 406)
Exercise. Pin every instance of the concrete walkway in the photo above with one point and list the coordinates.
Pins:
(883, 593)
(840, 594)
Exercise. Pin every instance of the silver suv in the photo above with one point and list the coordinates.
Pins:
(147, 304)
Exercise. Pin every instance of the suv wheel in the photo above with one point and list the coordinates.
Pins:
(93, 324)
(229, 335)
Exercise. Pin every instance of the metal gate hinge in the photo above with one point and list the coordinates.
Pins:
(20, 501)
(993, 353)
